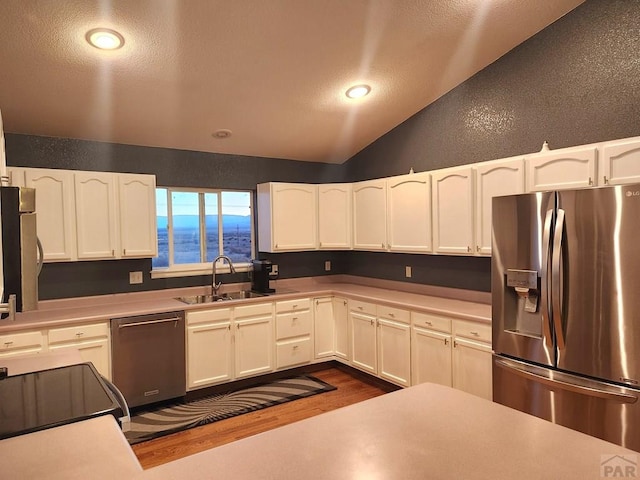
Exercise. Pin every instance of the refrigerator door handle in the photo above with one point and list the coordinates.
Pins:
(566, 382)
(544, 293)
(556, 299)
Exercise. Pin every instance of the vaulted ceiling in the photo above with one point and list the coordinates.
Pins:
(272, 72)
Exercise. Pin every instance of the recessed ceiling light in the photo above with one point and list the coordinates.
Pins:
(105, 38)
(358, 91)
(222, 133)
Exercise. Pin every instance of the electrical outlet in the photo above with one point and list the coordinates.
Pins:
(135, 278)
(274, 269)
(327, 266)
(407, 271)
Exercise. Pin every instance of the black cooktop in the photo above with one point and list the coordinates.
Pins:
(50, 398)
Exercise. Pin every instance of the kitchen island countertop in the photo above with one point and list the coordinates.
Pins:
(425, 431)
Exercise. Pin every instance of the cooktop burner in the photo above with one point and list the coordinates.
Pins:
(50, 398)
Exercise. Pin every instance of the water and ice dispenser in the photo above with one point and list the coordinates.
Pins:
(525, 284)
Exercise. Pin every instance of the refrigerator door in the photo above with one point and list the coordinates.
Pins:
(596, 280)
(603, 410)
(521, 255)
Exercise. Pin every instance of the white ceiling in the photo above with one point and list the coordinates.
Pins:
(272, 71)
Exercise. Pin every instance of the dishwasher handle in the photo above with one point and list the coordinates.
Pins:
(149, 322)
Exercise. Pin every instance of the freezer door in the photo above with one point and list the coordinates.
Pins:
(603, 410)
(521, 236)
(597, 283)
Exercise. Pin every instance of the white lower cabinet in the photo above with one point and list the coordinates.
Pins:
(341, 319)
(362, 323)
(92, 341)
(324, 327)
(253, 339)
(209, 348)
(380, 341)
(472, 358)
(431, 343)
(293, 332)
(394, 345)
(23, 343)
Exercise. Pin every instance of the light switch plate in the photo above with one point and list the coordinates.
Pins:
(407, 271)
(327, 266)
(135, 278)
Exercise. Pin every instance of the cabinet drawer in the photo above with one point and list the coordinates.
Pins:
(432, 322)
(392, 313)
(476, 331)
(253, 310)
(79, 333)
(293, 324)
(293, 352)
(208, 316)
(362, 307)
(293, 305)
(28, 341)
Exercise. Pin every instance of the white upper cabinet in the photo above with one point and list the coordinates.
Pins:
(562, 169)
(55, 209)
(494, 179)
(453, 210)
(287, 217)
(137, 202)
(409, 213)
(334, 216)
(16, 176)
(96, 215)
(370, 215)
(621, 162)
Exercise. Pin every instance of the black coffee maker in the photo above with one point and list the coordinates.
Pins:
(262, 273)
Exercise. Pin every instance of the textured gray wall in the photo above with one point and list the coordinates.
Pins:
(576, 82)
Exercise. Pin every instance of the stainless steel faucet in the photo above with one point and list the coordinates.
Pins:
(216, 286)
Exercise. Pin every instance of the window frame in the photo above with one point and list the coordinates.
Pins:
(203, 268)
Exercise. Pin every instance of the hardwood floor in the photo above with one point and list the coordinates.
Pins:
(351, 388)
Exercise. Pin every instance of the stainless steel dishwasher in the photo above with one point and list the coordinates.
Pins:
(148, 357)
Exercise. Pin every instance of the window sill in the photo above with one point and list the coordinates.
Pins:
(194, 270)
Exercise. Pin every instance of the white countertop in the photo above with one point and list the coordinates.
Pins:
(104, 307)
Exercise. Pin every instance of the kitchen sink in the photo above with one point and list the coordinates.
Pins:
(240, 294)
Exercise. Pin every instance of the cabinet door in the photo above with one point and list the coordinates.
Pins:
(95, 215)
(494, 179)
(394, 351)
(621, 162)
(409, 213)
(97, 351)
(363, 342)
(254, 346)
(293, 216)
(137, 207)
(431, 357)
(472, 367)
(55, 211)
(324, 327)
(562, 169)
(209, 354)
(453, 212)
(334, 216)
(369, 215)
(341, 319)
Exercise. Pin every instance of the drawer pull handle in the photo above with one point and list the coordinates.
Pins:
(8, 344)
(446, 341)
(372, 322)
(295, 306)
(476, 334)
(295, 318)
(360, 307)
(295, 347)
(392, 315)
(79, 334)
(429, 323)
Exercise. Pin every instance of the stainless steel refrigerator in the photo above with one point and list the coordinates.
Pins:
(566, 308)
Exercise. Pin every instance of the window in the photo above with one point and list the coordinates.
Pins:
(195, 226)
